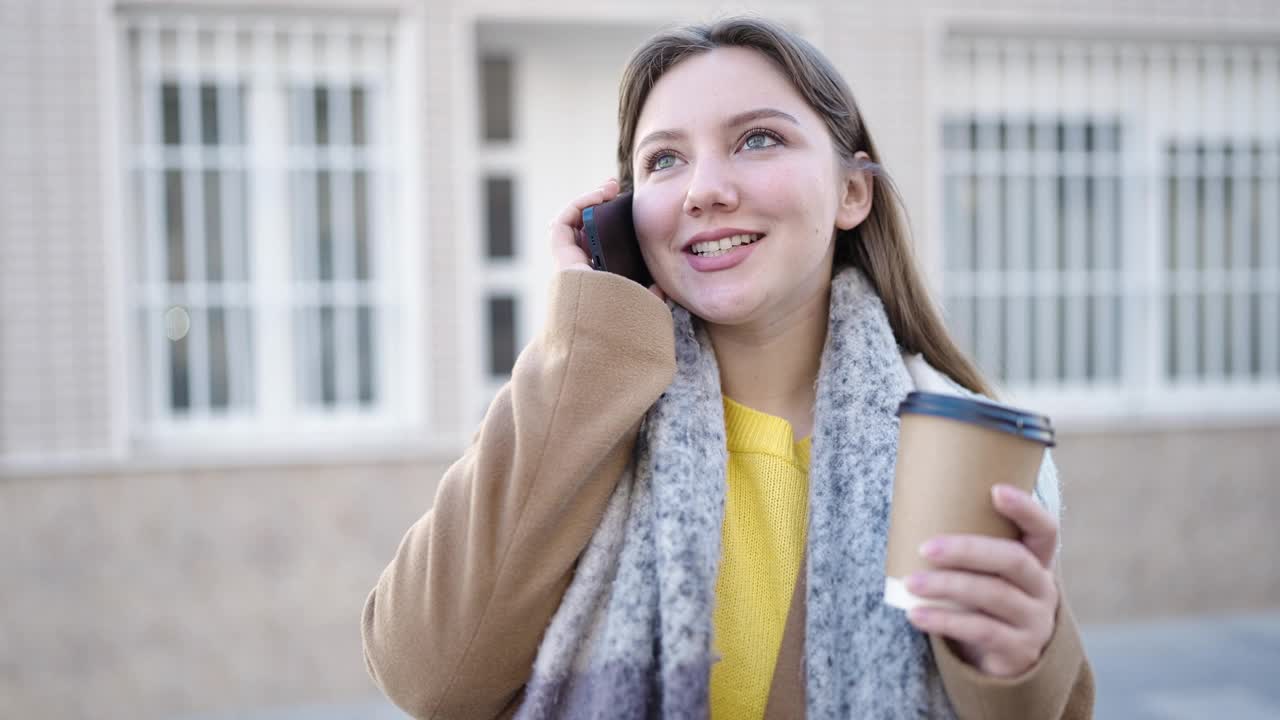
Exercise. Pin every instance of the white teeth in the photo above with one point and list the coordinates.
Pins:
(712, 248)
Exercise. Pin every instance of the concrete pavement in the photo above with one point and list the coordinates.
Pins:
(1217, 668)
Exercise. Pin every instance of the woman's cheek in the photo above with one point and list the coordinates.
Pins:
(654, 224)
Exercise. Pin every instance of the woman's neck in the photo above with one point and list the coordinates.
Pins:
(773, 366)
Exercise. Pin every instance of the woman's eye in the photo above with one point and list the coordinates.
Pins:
(664, 161)
(759, 140)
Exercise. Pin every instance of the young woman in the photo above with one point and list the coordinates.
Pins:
(636, 531)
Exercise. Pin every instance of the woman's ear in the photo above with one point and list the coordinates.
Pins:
(855, 192)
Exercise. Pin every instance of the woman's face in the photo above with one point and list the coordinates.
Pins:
(728, 151)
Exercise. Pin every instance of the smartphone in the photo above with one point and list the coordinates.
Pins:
(608, 237)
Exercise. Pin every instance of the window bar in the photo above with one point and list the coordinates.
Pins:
(344, 161)
(382, 184)
(1158, 369)
(987, 280)
(1017, 167)
(1075, 229)
(955, 194)
(384, 280)
(193, 216)
(1242, 173)
(306, 164)
(1186, 168)
(1101, 167)
(1048, 165)
(267, 182)
(232, 176)
(150, 87)
(1139, 352)
(1108, 284)
(362, 203)
(1269, 221)
(1214, 281)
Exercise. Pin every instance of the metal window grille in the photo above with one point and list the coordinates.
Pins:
(497, 110)
(261, 171)
(502, 345)
(504, 282)
(335, 296)
(1110, 226)
(500, 217)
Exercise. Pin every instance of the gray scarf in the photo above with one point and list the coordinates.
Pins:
(633, 635)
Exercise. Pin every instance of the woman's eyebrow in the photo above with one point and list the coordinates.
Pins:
(740, 119)
(761, 114)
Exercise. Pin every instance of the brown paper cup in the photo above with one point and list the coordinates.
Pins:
(951, 452)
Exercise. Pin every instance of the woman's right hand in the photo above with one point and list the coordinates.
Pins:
(568, 224)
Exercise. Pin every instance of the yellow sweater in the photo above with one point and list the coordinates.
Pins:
(766, 508)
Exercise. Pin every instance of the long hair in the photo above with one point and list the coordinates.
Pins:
(881, 245)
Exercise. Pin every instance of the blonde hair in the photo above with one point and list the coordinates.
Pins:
(881, 245)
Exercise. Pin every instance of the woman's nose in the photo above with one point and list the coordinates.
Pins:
(711, 189)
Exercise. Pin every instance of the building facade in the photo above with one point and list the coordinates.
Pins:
(263, 267)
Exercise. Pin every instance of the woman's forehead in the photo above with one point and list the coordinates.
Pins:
(714, 86)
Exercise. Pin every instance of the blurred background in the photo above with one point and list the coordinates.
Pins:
(263, 265)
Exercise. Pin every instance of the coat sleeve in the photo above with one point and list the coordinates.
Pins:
(1058, 687)
(452, 626)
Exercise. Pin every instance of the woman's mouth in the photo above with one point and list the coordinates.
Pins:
(716, 248)
(722, 254)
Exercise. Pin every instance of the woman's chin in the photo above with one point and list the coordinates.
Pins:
(722, 308)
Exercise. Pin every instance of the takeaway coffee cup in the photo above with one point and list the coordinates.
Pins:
(951, 452)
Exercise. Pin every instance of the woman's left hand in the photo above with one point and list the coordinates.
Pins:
(1006, 587)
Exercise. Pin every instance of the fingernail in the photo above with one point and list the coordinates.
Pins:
(1001, 493)
(920, 615)
(916, 582)
(932, 548)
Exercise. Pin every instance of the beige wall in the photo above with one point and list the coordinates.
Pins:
(54, 320)
(154, 595)
(1171, 522)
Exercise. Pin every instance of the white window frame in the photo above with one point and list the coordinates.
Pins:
(1143, 394)
(517, 276)
(279, 420)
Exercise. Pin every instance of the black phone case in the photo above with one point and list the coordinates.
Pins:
(609, 239)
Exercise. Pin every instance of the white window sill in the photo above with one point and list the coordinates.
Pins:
(175, 451)
(1124, 409)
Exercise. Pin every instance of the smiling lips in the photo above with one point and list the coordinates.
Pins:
(721, 253)
(714, 248)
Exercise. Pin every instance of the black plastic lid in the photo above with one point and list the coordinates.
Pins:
(1030, 426)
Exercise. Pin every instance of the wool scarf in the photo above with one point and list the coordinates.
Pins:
(633, 636)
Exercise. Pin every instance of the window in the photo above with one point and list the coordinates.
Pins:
(504, 272)
(1221, 302)
(262, 175)
(497, 111)
(499, 195)
(1109, 222)
(334, 308)
(1033, 246)
(199, 199)
(502, 333)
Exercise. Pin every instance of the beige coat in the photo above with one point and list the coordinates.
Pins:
(452, 627)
